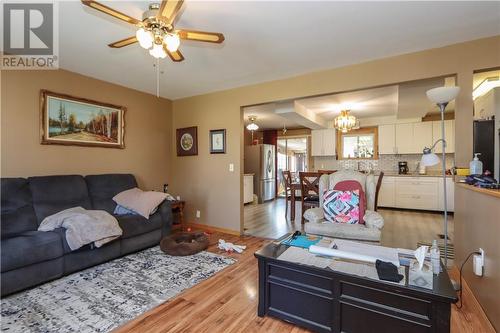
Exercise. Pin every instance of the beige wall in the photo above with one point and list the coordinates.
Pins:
(477, 225)
(205, 180)
(148, 130)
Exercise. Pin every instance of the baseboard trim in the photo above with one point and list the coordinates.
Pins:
(212, 228)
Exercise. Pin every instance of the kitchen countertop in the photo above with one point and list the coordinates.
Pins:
(487, 191)
(416, 174)
(248, 174)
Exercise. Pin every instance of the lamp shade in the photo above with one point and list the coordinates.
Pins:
(252, 127)
(442, 94)
(429, 159)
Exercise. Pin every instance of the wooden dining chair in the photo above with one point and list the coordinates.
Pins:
(377, 190)
(309, 185)
(287, 180)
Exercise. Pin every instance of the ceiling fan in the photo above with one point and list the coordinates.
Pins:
(156, 31)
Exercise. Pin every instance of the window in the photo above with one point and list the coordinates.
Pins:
(358, 144)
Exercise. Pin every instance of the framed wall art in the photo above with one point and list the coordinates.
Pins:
(218, 141)
(68, 120)
(187, 141)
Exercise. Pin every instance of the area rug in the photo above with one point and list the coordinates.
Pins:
(104, 297)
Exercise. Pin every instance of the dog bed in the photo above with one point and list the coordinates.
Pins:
(184, 243)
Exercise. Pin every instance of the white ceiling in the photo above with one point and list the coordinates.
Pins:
(402, 101)
(377, 102)
(480, 77)
(265, 40)
(266, 118)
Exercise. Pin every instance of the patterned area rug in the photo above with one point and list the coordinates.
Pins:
(103, 297)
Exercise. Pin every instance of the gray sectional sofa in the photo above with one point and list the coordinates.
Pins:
(30, 257)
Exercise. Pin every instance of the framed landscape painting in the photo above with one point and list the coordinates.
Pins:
(67, 120)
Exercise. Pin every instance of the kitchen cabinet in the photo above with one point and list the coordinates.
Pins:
(323, 142)
(411, 138)
(450, 194)
(386, 194)
(387, 139)
(449, 133)
(419, 193)
(404, 138)
(422, 136)
(247, 188)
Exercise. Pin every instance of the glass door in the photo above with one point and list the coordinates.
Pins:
(293, 156)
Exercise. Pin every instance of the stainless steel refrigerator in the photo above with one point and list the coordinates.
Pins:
(261, 161)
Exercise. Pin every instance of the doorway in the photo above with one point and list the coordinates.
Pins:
(293, 155)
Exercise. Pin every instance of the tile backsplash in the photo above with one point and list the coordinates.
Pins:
(384, 163)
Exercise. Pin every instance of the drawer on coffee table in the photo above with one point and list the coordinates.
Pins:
(303, 278)
(385, 301)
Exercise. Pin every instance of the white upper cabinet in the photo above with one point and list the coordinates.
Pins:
(316, 143)
(323, 142)
(411, 138)
(404, 139)
(422, 136)
(387, 139)
(449, 133)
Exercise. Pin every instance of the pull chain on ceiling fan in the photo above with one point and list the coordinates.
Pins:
(156, 31)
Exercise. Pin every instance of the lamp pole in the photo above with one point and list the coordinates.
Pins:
(442, 107)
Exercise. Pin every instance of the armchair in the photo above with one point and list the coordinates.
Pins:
(374, 222)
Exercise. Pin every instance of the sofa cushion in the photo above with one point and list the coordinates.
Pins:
(144, 203)
(52, 194)
(133, 225)
(17, 207)
(341, 230)
(102, 189)
(30, 247)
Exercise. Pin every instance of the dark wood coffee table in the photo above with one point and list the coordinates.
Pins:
(324, 300)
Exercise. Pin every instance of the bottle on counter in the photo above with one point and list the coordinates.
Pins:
(476, 166)
(435, 257)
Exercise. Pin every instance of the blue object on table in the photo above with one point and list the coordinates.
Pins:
(302, 241)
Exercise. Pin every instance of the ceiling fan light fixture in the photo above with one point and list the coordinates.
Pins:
(172, 41)
(157, 51)
(145, 38)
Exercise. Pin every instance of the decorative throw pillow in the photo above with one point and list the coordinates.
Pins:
(143, 203)
(341, 206)
(352, 185)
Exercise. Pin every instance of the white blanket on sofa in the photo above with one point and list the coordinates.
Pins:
(83, 226)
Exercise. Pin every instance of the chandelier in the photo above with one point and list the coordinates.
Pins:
(345, 122)
(252, 126)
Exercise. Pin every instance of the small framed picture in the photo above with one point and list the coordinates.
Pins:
(187, 141)
(218, 141)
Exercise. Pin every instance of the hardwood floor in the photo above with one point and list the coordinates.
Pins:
(227, 302)
(401, 229)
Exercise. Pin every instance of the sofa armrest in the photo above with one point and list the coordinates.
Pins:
(165, 211)
(314, 215)
(373, 219)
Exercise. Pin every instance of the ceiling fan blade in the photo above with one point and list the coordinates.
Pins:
(201, 36)
(123, 42)
(169, 9)
(110, 11)
(175, 56)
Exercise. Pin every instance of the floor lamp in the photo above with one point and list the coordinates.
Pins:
(441, 96)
